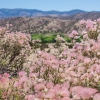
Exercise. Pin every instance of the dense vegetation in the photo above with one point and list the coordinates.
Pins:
(49, 37)
(59, 73)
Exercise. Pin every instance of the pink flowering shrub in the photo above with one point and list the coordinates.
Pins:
(14, 49)
(7, 90)
(92, 28)
(73, 74)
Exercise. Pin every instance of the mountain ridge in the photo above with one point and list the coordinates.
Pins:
(38, 21)
(20, 12)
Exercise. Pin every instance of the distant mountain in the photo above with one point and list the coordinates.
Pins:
(5, 13)
(37, 21)
(88, 15)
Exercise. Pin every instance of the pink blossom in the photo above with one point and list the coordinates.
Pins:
(87, 60)
(49, 85)
(89, 24)
(16, 84)
(98, 20)
(74, 32)
(6, 75)
(96, 96)
(82, 22)
(39, 86)
(22, 73)
(29, 97)
(87, 93)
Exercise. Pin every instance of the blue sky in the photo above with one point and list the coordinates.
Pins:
(45, 5)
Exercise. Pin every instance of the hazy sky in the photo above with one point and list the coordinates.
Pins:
(61, 5)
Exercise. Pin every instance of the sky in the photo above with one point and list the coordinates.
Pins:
(59, 5)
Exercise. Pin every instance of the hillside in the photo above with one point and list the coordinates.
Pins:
(39, 25)
(44, 24)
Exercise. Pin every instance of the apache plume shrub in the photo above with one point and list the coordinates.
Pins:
(92, 28)
(14, 49)
(74, 74)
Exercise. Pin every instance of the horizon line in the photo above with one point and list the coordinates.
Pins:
(51, 10)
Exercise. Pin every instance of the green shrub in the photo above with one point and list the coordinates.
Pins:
(48, 39)
(68, 39)
(79, 39)
(36, 36)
